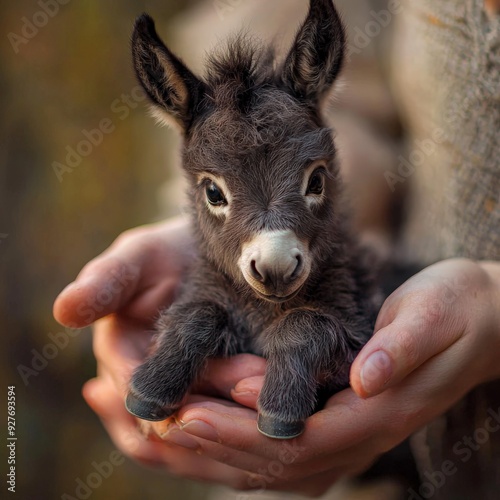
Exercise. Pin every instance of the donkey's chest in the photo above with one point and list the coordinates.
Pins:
(250, 321)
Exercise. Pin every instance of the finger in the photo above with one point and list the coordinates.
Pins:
(289, 458)
(203, 399)
(119, 348)
(349, 427)
(121, 426)
(416, 335)
(222, 375)
(246, 392)
(123, 430)
(219, 426)
(105, 285)
(139, 272)
(176, 433)
(215, 405)
(196, 401)
(325, 431)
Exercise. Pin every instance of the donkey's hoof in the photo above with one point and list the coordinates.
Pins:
(146, 410)
(278, 429)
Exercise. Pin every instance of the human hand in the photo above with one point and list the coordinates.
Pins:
(135, 277)
(235, 453)
(440, 337)
(122, 291)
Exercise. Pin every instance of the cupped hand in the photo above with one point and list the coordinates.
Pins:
(135, 277)
(121, 293)
(435, 339)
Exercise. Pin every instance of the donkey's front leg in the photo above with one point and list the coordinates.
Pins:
(302, 349)
(189, 334)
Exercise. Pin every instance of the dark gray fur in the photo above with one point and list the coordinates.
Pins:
(258, 125)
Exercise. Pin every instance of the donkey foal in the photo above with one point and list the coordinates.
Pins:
(278, 273)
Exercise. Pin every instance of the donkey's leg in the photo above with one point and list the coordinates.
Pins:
(189, 334)
(303, 349)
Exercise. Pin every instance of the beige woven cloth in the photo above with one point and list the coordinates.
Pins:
(447, 76)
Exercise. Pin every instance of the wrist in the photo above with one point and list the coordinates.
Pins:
(492, 269)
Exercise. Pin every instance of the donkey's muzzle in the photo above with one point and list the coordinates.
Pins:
(275, 264)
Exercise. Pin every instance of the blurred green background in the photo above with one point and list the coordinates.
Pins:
(58, 83)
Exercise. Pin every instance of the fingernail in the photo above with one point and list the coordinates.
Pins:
(376, 372)
(245, 388)
(179, 438)
(201, 429)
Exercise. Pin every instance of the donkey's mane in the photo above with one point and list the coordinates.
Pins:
(237, 69)
(243, 60)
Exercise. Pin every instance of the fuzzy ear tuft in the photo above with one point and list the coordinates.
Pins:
(317, 55)
(170, 85)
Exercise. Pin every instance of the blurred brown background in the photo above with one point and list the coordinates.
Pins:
(58, 82)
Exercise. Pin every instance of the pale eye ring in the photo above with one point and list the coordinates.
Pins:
(214, 194)
(316, 184)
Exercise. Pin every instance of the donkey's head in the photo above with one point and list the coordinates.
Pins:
(259, 161)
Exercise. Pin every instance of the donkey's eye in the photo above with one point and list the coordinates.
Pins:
(214, 195)
(316, 183)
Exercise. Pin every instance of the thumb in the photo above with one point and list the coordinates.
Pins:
(104, 286)
(398, 349)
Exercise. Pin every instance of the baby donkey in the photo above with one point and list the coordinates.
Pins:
(277, 273)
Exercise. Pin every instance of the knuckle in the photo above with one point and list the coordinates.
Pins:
(225, 455)
(91, 266)
(239, 444)
(127, 237)
(434, 311)
(407, 348)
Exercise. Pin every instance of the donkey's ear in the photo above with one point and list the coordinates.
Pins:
(316, 57)
(174, 90)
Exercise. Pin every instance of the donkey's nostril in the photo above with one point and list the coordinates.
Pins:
(255, 272)
(298, 269)
(295, 269)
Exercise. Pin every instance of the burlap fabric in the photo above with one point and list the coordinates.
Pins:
(447, 76)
